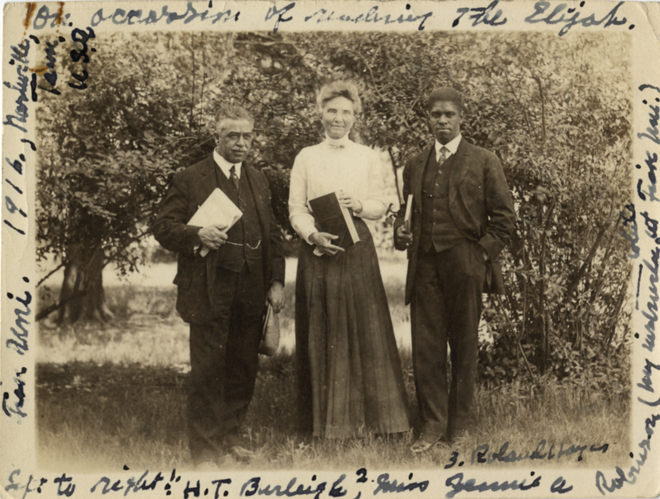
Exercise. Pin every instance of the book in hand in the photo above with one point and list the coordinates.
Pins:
(407, 218)
(218, 210)
(335, 219)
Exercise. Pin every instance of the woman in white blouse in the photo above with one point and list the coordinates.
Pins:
(348, 372)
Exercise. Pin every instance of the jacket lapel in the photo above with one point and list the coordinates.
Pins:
(208, 179)
(459, 169)
(262, 203)
(419, 177)
(208, 183)
(258, 194)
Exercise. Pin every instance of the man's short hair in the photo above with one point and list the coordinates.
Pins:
(445, 94)
(339, 88)
(232, 112)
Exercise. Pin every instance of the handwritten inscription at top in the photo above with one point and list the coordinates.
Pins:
(482, 15)
(370, 16)
(139, 16)
(80, 53)
(565, 15)
(573, 17)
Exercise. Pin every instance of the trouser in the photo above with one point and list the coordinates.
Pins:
(445, 309)
(224, 361)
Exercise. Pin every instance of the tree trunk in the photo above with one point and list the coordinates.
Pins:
(82, 296)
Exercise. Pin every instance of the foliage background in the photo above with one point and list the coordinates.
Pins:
(555, 110)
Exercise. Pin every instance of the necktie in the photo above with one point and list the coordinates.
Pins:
(442, 155)
(233, 177)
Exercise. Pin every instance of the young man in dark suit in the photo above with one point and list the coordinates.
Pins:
(222, 295)
(462, 217)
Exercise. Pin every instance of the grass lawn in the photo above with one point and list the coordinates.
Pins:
(115, 395)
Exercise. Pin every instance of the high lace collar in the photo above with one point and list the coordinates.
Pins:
(337, 143)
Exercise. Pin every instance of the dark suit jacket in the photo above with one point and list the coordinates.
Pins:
(196, 275)
(479, 202)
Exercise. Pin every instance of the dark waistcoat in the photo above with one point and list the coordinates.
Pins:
(244, 238)
(438, 228)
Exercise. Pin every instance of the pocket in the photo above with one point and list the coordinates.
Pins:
(479, 255)
(182, 279)
(184, 272)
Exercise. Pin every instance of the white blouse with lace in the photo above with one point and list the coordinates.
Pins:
(332, 166)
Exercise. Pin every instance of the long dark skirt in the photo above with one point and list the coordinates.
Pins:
(349, 378)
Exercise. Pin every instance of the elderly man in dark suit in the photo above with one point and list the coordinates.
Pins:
(222, 295)
(462, 217)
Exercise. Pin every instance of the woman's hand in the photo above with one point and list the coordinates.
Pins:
(323, 241)
(346, 199)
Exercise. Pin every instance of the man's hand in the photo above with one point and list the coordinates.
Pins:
(275, 296)
(323, 241)
(403, 237)
(347, 200)
(212, 236)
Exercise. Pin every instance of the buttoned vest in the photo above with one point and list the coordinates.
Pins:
(438, 228)
(244, 238)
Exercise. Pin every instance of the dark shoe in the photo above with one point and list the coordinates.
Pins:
(425, 442)
(458, 434)
(205, 459)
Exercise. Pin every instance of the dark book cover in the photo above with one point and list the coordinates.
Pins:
(332, 218)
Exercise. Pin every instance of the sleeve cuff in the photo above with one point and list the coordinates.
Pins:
(309, 233)
(372, 209)
(485, 251)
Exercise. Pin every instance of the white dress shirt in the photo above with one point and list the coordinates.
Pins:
(332, 166)
(225, 165)
(451, 146)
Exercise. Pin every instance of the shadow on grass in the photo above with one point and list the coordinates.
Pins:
(113, 395)
(93, 417)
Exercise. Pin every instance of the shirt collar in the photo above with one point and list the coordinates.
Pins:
(452, 145)
(225, 165)
(338, 143)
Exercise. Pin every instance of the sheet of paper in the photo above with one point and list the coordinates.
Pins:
(219, 210)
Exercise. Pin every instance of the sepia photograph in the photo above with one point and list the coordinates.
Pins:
(415, 259)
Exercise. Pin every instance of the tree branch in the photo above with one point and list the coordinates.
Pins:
(512, 329)
(192, 97)
(371, 73)
(583, 269)
(515, 96)
(542, 310)
(540, 84)
(615, 315)
(56, 306)
(50, 273)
